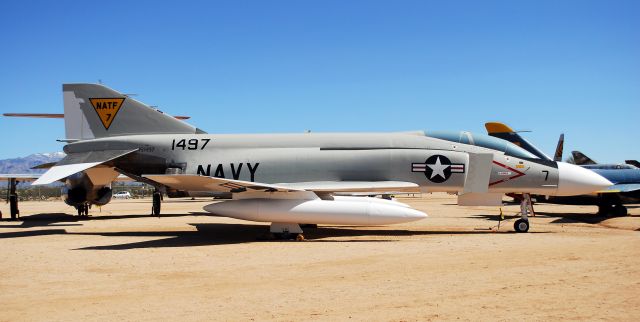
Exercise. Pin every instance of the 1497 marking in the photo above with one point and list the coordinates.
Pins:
(191, 144)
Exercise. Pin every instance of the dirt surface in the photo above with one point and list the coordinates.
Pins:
(123, 264)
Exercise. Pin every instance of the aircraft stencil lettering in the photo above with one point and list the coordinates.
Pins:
(235, 170)
(106, 108)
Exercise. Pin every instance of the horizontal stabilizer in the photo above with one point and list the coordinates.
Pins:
(61, 116)
(62, 171)
(76, 162)
(19, 176)
(47, 165)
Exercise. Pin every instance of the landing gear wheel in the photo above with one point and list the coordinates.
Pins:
(155, 209)
(86, 210)
(282, 236)
(80, 210)
(618, 210)
(521, 226)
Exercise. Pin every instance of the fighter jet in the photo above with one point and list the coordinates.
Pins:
(288, 179)
(610, 200)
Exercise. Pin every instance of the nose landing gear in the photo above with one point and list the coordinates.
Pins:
(526, 207)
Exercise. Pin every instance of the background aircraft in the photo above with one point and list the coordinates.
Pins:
(288, 179)
(610, 201)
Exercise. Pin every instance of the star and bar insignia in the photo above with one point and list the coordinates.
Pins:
(438, 168)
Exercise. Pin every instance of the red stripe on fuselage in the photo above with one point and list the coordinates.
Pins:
(518, 173)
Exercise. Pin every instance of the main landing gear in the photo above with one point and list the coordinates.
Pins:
(526, 207)
(13, 199)
(83, 210)
(611, 205)
(286, 231)
(157, 203)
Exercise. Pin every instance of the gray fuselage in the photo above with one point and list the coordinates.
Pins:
(433, 164)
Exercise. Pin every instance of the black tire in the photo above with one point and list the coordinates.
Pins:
(521, 226)
(13, 205)
(604, 209)
(155, 209)
(80, 210)
(86, 210)
(619, 210)
(283, 236)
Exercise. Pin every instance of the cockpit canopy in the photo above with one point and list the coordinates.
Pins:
(482, 140)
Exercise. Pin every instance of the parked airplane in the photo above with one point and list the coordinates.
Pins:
(288, 179)
(611, 200)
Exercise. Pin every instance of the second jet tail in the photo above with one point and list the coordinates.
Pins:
(559, 148)
(503, 131)
(580, 158)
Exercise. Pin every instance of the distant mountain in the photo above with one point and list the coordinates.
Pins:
(24, 165)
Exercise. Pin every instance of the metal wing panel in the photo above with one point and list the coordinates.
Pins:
(355, 186)
(189, 182)
(60, 172)
(203, 183)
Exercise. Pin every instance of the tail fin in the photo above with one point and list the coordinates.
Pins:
(634, 163)
(559, 149)
(503, 131)
(580, 159)
(95, 111)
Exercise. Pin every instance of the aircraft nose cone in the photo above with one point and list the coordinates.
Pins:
(575, 180)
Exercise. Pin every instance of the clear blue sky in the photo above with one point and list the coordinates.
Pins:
(288, 66)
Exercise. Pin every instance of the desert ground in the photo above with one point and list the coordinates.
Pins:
(124, 264)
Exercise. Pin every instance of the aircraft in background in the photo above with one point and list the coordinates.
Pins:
(287, 179)
(610, 201)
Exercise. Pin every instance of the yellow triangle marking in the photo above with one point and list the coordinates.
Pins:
(107, 108)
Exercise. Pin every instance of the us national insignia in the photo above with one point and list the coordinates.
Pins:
(437, 168)
(107, 109)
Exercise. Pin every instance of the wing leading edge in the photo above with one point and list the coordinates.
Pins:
(204, 183)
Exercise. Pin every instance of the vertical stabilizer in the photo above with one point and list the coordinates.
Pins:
(95, 111)
(634, 163)
(559, 149)
(503, 131)
(580, 159)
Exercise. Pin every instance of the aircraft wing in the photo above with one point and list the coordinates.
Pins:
(189, 182)
(204, 183)
(621, 187)
(355, 186)
(20, 176)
